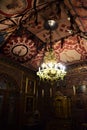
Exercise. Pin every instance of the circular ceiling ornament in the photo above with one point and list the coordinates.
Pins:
(20, 48)
(50, 24)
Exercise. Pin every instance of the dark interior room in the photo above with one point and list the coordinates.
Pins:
(43, 64)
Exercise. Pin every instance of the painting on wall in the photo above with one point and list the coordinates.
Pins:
(29, 104)
(1, 103)
(30, 86)
(81, 89)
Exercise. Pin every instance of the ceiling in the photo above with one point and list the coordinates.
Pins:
(24, 39)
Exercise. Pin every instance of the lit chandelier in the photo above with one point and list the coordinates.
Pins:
(50, 70)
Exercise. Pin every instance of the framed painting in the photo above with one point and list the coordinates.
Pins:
(29, 104)
(1, 103)
(81, 89)
(30, 86)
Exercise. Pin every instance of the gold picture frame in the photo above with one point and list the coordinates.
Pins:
(30, 86)
(29, 104)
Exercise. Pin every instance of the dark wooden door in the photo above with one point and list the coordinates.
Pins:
(9, 100)
(8, 109)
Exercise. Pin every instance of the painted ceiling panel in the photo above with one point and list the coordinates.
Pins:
(12, 7)
(25, 39)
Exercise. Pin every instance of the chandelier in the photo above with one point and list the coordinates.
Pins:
(50, 70)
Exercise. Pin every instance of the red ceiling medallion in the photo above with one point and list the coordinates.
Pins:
(20, 48)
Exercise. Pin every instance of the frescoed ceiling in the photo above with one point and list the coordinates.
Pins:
(24, 38)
